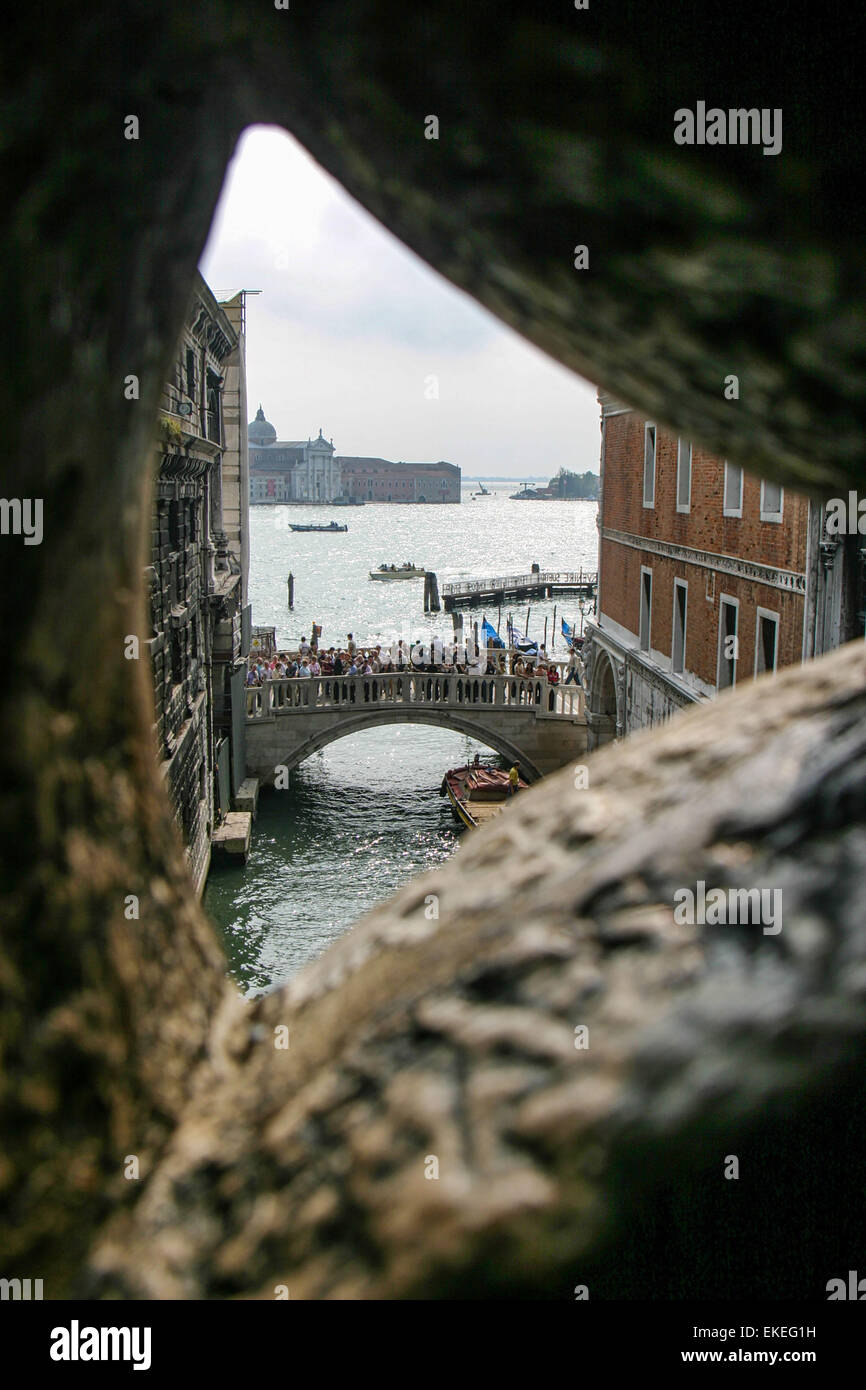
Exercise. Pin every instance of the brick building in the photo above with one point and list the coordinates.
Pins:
(379, 480)
(707, 577)
(198, 572)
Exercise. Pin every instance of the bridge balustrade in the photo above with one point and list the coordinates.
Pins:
(309, 695)
(512, 581)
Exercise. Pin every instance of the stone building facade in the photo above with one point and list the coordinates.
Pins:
(704, 573)
(294, 470)
(291, 470)
(379, 480)
(198, 572)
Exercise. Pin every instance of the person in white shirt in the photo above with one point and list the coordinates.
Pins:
(304, 647)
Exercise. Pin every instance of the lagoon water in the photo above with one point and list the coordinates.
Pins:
(363, 816)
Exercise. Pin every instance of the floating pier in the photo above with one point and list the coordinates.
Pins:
(538, 584)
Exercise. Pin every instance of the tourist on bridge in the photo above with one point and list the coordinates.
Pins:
(573, 669)
(553, 682)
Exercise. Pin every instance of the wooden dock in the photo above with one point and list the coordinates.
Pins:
(472, 593)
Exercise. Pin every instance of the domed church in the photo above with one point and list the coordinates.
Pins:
(291, 470)
(261, 431)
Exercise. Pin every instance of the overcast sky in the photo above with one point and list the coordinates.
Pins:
(351, 326)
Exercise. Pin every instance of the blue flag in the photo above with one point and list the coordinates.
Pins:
(490, 635)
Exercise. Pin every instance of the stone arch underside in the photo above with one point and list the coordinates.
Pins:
(119, 1040)
(343, 728)
(603, 714)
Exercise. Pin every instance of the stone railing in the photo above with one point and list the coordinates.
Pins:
(504, 694)
(513, 581)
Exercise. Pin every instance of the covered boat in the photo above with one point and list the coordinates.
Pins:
(388, 573)
(332, 526)
(476, 793)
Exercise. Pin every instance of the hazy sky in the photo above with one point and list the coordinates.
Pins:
(351, 325)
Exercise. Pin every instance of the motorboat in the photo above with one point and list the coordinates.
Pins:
(330, 528)
(389, 573)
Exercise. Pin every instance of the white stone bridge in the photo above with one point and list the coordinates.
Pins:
(538, 726)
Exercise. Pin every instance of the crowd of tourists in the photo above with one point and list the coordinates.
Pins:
(436, 656)
(424, 657)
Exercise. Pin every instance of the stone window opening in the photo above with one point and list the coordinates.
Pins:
(732, 501)
(678, 644)
(772, 495)
(646, 603)
(726, 674)
(649, 465)
(190, 373)
(766, 641)
(684, 475)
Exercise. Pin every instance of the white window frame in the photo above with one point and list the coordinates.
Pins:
(684, 506)
(646, 429)
(644, 570)
(679, 584)
(773, 516)
(735, 604)
(769, 616)
(732, 511)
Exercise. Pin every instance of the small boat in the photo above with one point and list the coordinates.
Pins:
(388, 573)
(331, 527)
(476, 793)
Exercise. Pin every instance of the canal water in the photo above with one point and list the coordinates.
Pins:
(363, 816)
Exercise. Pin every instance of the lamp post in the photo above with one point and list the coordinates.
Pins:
(582, 605)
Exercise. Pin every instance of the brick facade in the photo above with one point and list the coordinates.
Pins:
(713, 556)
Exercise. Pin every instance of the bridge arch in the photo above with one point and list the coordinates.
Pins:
(449, 719)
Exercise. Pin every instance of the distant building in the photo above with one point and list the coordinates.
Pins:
(707, 577)
(379, 480)
(291, 470)
(198, 572)
(294, 470)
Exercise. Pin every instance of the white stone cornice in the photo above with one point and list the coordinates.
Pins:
(789, 581)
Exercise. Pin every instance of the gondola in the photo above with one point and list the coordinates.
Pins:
(477, 794)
